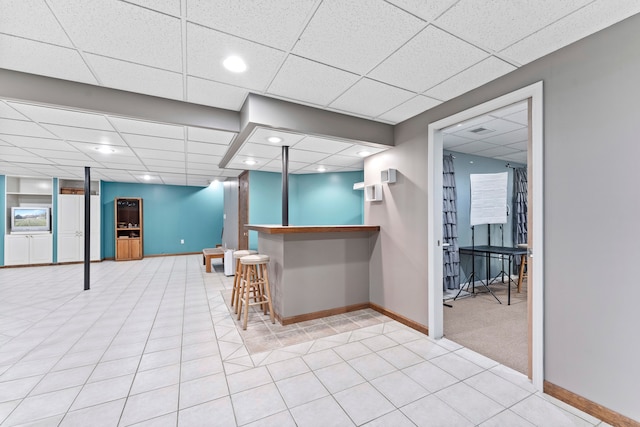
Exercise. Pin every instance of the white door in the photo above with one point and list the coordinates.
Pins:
(68, 214)
(16, 249)
(41, 248)
(95, 228)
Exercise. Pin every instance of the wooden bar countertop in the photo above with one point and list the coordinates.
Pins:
(297, 229)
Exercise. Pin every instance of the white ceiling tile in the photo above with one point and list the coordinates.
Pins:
(129, 167)
(260, 135)
(276, 24)
(32, 19)
(520, 146)
(209, 135)
(16, 170)
(7, 112)
(520, 157)
(141, 127)
(28, 159)
(309, 81)
(7, 150)
(347, 34)
(207, 49)
(157, 163)
(322, 145)
(306, 156)
(171, 7)
(338, 160)
(370, 98)
(508, 137)
(264, 151)
(147, 154)
(93, 150)
(231, 172)
(94, 136)
(198, 181)
(511, 109)
(214, 94)
(412, 107)
(77, 163)
(154, 142)
(55, 154)
(203, 170)
(314, 169)
(497, 24)
(474, 147)
(61, 116)
(123, 31)
(427, 10)
(44, 59)
(496, 152)
(293, 166)
(30, 142)
(471, 78)
(158, 169)
(23, 128)
(594, 17)
(428, 59)
(203, 159)
(136, 78)
(355, 149)
(194, 147)
(277, 169)
(498, 127)
(452, 140)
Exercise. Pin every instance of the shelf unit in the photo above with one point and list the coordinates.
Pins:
(128, 228)
(33, 247)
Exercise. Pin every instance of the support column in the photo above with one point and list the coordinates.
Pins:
(285, 185)
(87, 227)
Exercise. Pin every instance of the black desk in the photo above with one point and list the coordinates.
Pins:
(493, 252)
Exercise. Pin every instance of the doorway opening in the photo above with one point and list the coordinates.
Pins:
(532, 95)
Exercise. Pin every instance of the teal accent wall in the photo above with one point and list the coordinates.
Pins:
(170, 213)
(314, 199)
(265, 201)
(3, 221)
(327, 199)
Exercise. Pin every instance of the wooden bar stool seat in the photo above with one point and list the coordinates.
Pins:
(235, 293)
(254, 281)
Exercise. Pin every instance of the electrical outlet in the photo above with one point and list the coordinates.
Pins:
(182, 241)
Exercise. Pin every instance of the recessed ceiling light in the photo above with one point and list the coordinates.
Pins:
(274, 139)
(363, 153)
(146, 177)
(235, 64)
(250, 162)
(105, 149)
(321, 169)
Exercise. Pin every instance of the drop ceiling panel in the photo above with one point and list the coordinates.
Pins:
(498, 127)
(209, 135)
(250, 149)
(428, 59)
(7, 112)
(511, 109)
(140, 127)
(347, 35)
(165, 169)
(309, 81)
(520, 157)
(370, 98)
(509, 137)
(95, 136)
(26, 159)
(471, 78)
(146, 154)
(7, 150)
(32, 20)
(260, 135)
(474, 147)
(498, 24)
(156, 163)
(171, 7)
(204, 171)
(203, 159)
(123, 31)
(77, 163)
(55, 154)
(23, 128)
(410, 108)
(338, 160)
(30, 142)
(275, 24)
(293, 166)
(207, 49)
(497, 152)
(63, 117)
(44, 59)
(136, 78)
(520, 146)
(450, 141)
(214, 94)
(322, 145)
(194, 147)
(154, 142)
(594, 17)
(306, 156)
(355, 149)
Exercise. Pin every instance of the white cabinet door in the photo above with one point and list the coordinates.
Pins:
(41, 249)
(16, 249)
(68, 213)
(71, 228)
(95, 228)
(68, 250)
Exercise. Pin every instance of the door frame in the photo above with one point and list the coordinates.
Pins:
(533, 93)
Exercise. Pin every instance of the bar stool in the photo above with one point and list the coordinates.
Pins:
(235, 294)
(523, 264)
(254, 280)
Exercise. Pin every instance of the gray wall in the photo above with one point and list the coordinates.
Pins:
(591, 205)
(230, 226)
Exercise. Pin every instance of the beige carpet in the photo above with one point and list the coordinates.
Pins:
(498, 331)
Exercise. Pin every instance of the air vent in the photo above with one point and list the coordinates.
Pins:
(481, 131)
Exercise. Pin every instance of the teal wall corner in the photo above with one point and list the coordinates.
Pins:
(265, 201)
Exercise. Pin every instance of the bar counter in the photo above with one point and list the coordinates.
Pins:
(317, 271)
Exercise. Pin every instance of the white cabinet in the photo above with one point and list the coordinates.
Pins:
(71, 228)
(21, 249)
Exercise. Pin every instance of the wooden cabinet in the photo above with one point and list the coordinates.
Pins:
(23, 249)
(129, 227)
(71, 228)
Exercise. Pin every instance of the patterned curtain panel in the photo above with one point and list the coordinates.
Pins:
(451, 258)
(519, 208)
